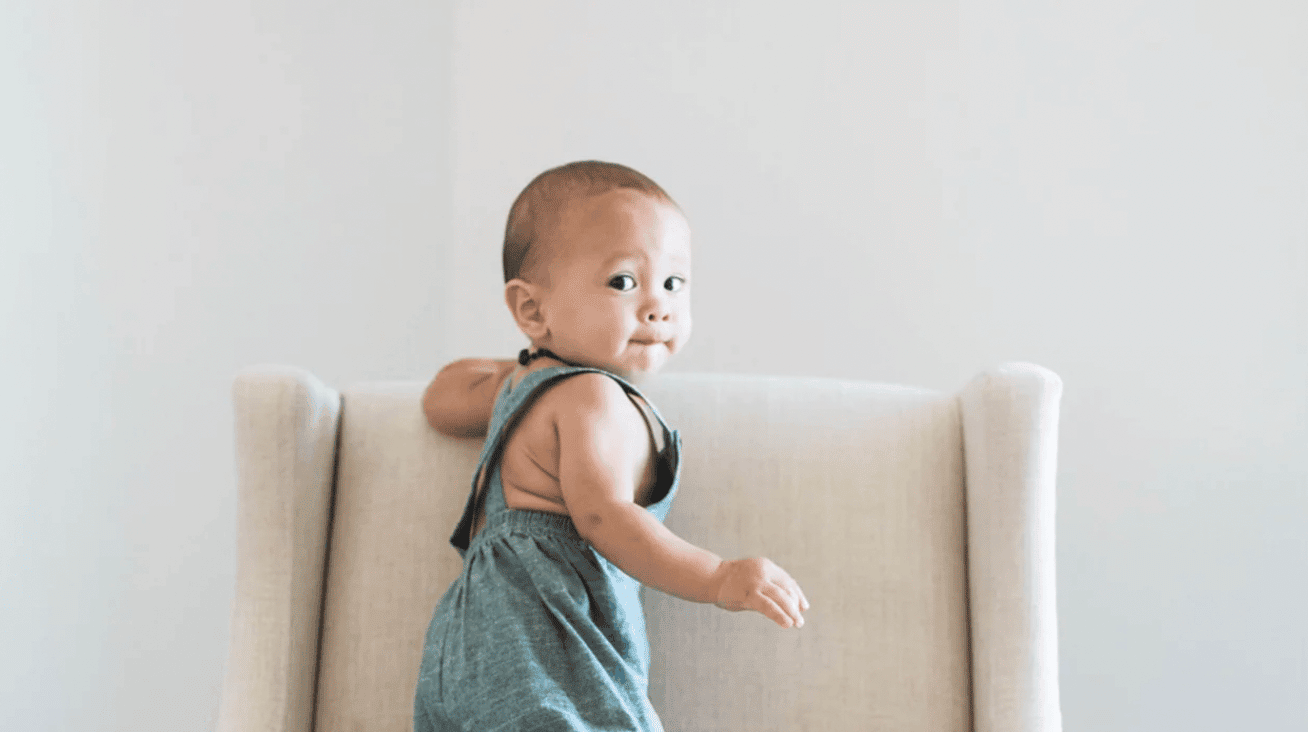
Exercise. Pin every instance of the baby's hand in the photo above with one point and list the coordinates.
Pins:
(758, 584)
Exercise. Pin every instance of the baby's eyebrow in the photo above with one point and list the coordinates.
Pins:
(620, 256)
(679, 262)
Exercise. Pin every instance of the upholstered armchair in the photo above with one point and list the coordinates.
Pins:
(919, 523)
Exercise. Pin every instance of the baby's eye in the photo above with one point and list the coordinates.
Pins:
(681, 282)
(619, 278)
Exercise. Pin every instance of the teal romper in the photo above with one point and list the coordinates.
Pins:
(539, 631)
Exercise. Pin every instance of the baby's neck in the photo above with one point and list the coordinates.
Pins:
(542, 357)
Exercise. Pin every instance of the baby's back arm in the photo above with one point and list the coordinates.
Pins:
(459, 400)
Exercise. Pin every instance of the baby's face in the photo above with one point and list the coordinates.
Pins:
(620, 284)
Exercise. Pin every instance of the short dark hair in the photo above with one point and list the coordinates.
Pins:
(540, 206)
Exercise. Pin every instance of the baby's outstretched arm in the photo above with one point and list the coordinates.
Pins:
(459, 400)
(596, 472)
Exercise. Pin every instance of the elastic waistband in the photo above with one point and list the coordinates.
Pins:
(532, 522)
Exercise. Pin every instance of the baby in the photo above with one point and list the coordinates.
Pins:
(544, 629)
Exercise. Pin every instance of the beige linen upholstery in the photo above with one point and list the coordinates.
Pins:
(920, 525)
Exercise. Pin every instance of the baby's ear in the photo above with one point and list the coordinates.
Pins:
(523, 299)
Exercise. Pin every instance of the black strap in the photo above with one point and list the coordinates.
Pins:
(525, 357)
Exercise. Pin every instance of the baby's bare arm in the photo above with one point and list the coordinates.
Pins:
(459, 400)
(596, 467)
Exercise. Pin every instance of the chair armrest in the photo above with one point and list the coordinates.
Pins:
(287, 422)
(1010, 446)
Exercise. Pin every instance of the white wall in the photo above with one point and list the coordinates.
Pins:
(187, 189)
(901, 192)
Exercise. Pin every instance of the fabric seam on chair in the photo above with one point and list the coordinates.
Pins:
(326, 561)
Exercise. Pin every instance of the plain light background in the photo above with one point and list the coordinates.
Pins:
(904, 192)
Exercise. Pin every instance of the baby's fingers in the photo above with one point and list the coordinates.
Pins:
(803, 599)
(789, 584)
(772, 609)
(788, 603)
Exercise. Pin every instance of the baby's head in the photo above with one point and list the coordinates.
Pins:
(597, 268)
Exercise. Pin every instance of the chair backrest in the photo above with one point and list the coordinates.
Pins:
(856, 489)
(920, 525)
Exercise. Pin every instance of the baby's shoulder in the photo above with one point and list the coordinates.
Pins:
(588, 397)
(587, 389)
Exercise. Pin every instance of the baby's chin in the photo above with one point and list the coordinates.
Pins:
(634, 370)
(643, 369)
